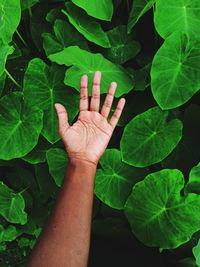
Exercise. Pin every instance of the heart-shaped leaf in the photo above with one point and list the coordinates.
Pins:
(152, 138)
(12, 205)
(64, 35)
(175, 71)
(20, 126)
(123, 47)
(157, 212)
(57, 162)
(114, 182)
(89, 28)
(99, 9)
(10, 15)
(87, 63)
(179, 15)
(43, 87)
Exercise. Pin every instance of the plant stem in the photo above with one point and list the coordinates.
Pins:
(21, 38)
(12, 79)
(30, 12)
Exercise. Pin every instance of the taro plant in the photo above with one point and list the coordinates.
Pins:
(150, 172)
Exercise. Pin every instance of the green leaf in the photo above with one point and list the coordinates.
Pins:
(5, 50)
(196, 253)
(157, 212)
(64, 35)
(10, 15)
(87, 63)
(171, 16)
(123, 47)
(98, 9)
(8, 234)
(20, 126)
(28, 3)
(46, 185)
(12, 205)
(38, 154)
(114, 182)
(139, 8)
(57, 162)
(54, 14)
(187, 262)
(193, 185)
(2, 83)
(149, 137)
(142, 77)
(175, 72)
(89, 28)
(187, 154)
(43, 87)
(38, 24)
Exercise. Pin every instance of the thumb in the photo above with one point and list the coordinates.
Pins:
(62, 117)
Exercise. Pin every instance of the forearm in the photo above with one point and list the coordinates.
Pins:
(66, 239)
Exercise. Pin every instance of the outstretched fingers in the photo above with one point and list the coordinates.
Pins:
(95, 99)
(62, 117)
(117, 113)
(84, 93)
(108, 100)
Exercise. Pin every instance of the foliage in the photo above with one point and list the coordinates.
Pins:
(149, 176)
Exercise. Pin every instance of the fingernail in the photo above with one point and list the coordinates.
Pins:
(98, 72)
(114, 84)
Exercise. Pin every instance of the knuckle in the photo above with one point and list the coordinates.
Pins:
(84, 97)
(95, 95)
(107, 104)
(96, 84)
(115, 115)
(110, 94)
(84, 88)
(61, 112)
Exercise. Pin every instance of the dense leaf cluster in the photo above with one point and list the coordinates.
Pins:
(150, 172)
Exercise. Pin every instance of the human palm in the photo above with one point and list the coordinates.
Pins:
(88, 137)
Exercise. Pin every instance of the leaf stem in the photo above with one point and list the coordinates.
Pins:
(30, 12)
(23, 190)
(12, 79)
(21, 38)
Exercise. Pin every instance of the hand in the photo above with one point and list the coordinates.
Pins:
(87, 139)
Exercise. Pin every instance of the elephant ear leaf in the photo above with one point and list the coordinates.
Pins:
(89, 28)
(114, 182)
(12, 205)
(87, 63)
(10, 15)
(20, 126)
(43, 87)
(57, 161)
(175, 71)
(181, 16)
(98, 9)
(152, 137)
(157, 212)
(139, 8)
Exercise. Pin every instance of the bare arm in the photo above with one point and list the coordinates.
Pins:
(65, 240)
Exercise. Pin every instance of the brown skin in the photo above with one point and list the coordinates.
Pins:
(65, 240)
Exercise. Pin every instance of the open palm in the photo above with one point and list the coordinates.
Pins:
(89, 136)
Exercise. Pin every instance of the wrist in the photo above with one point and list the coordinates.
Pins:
(77, 162)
